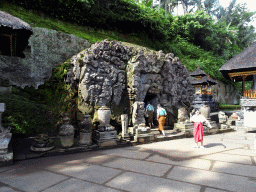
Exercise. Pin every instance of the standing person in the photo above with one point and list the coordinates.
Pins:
(150, 114)
(161, 116)
(198, 131)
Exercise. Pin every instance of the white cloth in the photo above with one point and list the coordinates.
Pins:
(199, 118)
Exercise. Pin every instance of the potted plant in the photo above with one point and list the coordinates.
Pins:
(66, 133)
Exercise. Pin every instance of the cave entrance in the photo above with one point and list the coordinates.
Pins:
(152, 99)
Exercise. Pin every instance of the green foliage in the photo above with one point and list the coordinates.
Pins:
(229, 107)
(25, 116)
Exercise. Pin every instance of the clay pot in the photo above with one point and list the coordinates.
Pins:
(205, 111)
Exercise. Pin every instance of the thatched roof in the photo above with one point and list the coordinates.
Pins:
(203, 81)
(244, 61)
(7, 20)
(198, 72)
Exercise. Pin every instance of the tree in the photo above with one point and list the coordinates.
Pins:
(239, 17)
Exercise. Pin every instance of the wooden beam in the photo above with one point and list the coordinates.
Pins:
(243, 85)
(240, 74)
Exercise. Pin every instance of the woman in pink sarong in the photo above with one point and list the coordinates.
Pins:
(198, 131)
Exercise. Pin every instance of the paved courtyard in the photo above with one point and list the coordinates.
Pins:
(226, 164)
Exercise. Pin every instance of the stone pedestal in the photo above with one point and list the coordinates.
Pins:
(124, 119)
(85, 138)
(214, 129)
(85, 131)
(6, 159)
(105, 138)
(141, 133)
(185, 127)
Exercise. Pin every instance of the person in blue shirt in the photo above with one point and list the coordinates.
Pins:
(150, 114)
(161, 116)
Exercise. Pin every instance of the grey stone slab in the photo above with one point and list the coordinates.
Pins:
(6, 168)
(76, 185)
(139, 183)
(212, 179)
(127, 153)
(138, 166)
(29, 180)
(86, 172)
(194, 163)
(229, 158)
(182, 148)
(238, 141)
(246, 152)
(7, 189)
(236, 169)
(212, 190)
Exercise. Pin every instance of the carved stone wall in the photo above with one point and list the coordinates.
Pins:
(114, 74)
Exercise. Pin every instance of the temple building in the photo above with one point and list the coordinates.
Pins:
(14, 35)
(242, 67)
(203, 89)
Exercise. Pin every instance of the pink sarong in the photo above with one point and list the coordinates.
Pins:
(198, 132)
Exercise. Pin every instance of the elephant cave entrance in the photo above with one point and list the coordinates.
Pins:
(152, 99)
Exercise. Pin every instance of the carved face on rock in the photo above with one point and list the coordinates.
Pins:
(156, 85)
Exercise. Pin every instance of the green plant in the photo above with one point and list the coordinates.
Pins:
(25, 116)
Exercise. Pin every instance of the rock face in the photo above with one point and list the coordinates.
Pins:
(226, 94)
(117, 75)
(47, 48)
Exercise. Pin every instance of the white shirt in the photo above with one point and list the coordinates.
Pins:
(199, 118)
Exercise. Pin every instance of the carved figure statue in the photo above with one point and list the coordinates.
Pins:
(139, 113)
(182, 115)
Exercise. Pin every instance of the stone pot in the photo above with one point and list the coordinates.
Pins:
(67, 140)
(205, 111)
(104, 114)
(66, 133)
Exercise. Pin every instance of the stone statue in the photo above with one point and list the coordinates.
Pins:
(139, 113)
(183, 115)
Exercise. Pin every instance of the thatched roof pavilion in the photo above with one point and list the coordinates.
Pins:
(201, 81)
(198, 72)
(205, 80)
(14, 35)
(242, 67)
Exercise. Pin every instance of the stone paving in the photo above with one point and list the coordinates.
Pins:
(227, 163)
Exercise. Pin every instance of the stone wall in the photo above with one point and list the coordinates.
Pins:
(116, 74)
(47, 48)
(226, 94)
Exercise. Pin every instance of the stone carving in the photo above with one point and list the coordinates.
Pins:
(124, 118)
(183, 115)
(139, 113)
(222, 117)
(110, 71)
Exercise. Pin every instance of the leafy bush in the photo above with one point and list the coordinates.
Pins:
(229, 107)
(25, 116)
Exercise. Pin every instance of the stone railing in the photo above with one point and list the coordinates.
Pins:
(250, 94)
